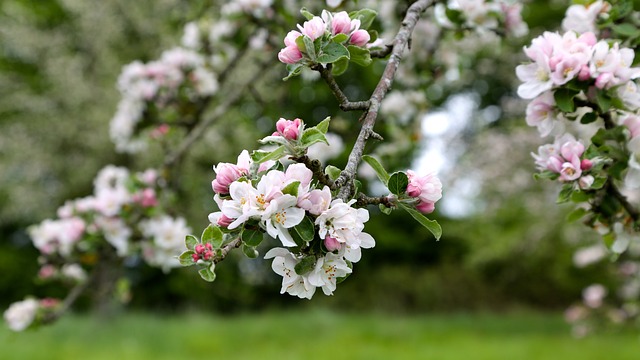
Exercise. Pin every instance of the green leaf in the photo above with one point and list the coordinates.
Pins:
(340, 38)
(339, 67)
(366, 17)
(588, 118)
(398, 182)
(579, 196)
(309, 48)
(294, 70)
(252, 237)
(305, 265)
(357, 184)
(333, 172)
(603, 100)
(564, 99)
(212, 234)
(250, 251)
(332, 53)
(626, 29)
(208, 274)
(190, 242)
(565, 194)
(598, 183)
(609, 239)
(430, 225)
(576, 214)
(307, 15)
(259, 156)
(311, 136)
(292, 188)
(377, 167)
(385, 210)
(359, 55)
(323, 125)
(455, 16)
(186, 258)
(546, 174)
(306, 229)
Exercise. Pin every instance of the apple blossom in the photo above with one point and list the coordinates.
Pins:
(284, 264)
(21, 314)
(327, 270)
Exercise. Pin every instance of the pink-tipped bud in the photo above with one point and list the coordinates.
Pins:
(225, 174)
(290, 55)
(224, 221)
(288, 129)
(290, 39)
(426, 207)
(341, 23)
(314, 28)
(195, 257)
(586, 164)
(584, 74)
(331, 244)
(208, 246)
(199, 249)
(360, 38)
(208, 255)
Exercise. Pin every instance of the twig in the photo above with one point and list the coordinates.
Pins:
(632, 211)
(68, 301)
(364, 200)
(316, 167)
(345, 104)
(224, 251)
(399, 44)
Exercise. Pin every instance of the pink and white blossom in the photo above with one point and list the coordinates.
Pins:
(283, 264)
(326, 272)
(21, 314)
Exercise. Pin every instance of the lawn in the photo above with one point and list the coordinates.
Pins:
(316, 335)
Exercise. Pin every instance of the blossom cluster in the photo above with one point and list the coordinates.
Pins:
(583, 18)
(279, 202)
(328, 25)
(123, 212)
(22, 314)
(565, 158)
(180, 75)
(483, 15)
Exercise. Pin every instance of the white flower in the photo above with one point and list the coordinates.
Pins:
(74, 271)
(282, 214)
(21, 314)
(593, 295)
(589, 255)
(326, 272)
(345, 224)
(168, 236)
(116, 233)
(284, 264)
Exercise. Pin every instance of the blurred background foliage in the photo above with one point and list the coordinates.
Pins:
(505, 243)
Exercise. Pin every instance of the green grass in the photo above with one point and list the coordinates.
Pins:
(315, 335)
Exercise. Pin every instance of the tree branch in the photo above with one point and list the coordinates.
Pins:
(399, 44)
(632, 211)
(224, 251)
(316, 167)
(364, 200)
(345, 104)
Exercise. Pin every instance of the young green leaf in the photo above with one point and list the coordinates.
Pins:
(359, 55)
(576, 214)
(305, 265)
(307, 15)
(385, 210)
(260, 156)
(212, 234)
(377, 167)
(333, 172)
(190, 242)
(293, 70)
(186, 258)
(311, 136)
(250, 251)
(340, 38)
(323, 125)
(292, 188)
(603, 100)
(564, 99)
(398, 182)
(310, 48)
(208, 274)
(565, 194)
(306, 230)
(340, 66)
(430, 225)
(252, 237)
(332, 53)
(366, 17)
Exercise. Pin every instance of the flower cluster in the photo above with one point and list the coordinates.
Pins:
(583, 18)
(565, 158)
(23, 314)
(482, 15)
(327, 25)
(123, 212)
(558, 59)
(427, 189)
(178, 77)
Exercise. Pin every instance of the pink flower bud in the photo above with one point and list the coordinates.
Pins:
(224, 221)
(331, 244)
(290, 39)
(426, 207)
(341, 23)
(585, 182)
(46, 272)
(586, 164)
(208, 246)
(360, 38)
(290, 130)
(199, 248)
(290, 55)
(195, 257)
(584, 74)
(225, 174)
(313, 28)
(49, 302)
(146, 198)
(160, 131)
(208, 255)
